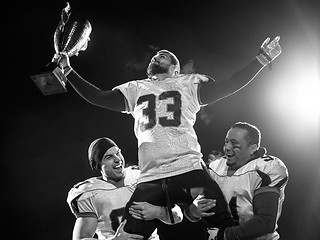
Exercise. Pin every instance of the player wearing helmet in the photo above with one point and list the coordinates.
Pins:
(164, 107)
(253, 183)
(98, 202)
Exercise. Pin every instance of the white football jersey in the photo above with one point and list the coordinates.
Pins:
(97, 198)
(165, 113)
(254, 177)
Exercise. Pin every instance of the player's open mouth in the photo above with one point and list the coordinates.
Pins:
(118, 167)
(229, 155)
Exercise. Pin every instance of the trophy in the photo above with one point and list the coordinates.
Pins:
(71, 36)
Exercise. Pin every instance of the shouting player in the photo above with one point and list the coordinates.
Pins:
(253, 183)
(98, 202)
(164, 107)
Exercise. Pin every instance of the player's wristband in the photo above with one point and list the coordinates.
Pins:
(264, 59)
(262, 52)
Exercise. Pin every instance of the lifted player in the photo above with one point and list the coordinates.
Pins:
(164, 107)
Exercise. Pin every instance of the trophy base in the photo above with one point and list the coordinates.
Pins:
(50, 80)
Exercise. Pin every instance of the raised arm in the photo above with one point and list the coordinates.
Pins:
(110, 99)
(212, 91)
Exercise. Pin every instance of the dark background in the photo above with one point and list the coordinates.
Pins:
(46, 137)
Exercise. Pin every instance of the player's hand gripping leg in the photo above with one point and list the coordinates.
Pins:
(199, 208)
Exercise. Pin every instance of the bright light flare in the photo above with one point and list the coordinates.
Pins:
(302, 94)
(295, 95)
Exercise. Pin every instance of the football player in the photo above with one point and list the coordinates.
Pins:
(164, 107)
(98, 202)
(253, 183)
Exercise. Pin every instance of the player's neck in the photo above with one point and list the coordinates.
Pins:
(119, 183)
(162, 76)
(231, 171)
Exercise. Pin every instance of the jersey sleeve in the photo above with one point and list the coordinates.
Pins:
(273, 174)
(129, 91)
(82, 206)
(200, 80)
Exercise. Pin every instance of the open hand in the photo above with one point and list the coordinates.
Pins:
(144, 211)
(201, 205)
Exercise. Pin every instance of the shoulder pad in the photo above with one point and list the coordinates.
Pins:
(274, 168)
(90, 184)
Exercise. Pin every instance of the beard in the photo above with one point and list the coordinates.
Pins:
(155, 68)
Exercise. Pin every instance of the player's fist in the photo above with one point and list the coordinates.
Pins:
(56, 58)
(269, 50)
(62, 59)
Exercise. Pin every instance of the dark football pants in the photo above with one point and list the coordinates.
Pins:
(179, 188)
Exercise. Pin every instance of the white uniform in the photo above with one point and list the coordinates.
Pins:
(97, 198)
(266, 173)
(165, 112)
